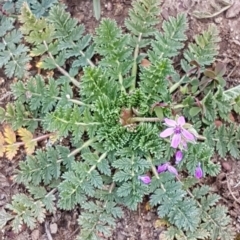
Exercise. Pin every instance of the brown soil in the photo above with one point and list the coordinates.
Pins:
(143, 224)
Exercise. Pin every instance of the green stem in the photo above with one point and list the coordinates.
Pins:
(88, 60)
(51, 192)
(134, 68)
(143, 119)
(86, 144)
(98, 161)
(59, 98)
(176, 85)
(77, 102)
(33, 119)
(179, 106)
(60, 69)
(87, 124)
(78, 123)
(200, 137)
(120, 78)
(154, 170)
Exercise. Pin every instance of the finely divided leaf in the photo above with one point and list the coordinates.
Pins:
(27, 138)
(10, 138)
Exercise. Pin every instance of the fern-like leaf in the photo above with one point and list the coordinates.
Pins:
(168, 43)
(205, 49)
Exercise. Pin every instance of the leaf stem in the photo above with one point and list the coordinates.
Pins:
(78, 102)
(120, 78)
(176, 85)
(61, 70)
(78, 123)
(179, 106)
(144, 119)
(98, 161)
(134, 68)
(154, 170)
(37, 139)
(86, 144)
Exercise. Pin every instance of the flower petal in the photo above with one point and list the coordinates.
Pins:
(172, 170)
(181, 121)
(145, 179)
(178, 156)
(170, 122)
(162, 168)
(176, 140)
(188, 136)
(184, 144)
(167, 132)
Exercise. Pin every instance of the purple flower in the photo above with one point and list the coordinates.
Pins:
(167, 167)
(178, 157)
(179, 134)
(162, 168)
(198, 171)
(145, 179)
(172, 170)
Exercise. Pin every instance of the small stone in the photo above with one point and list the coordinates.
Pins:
(227, 166)
(109, 6)
(35, 234)
(120, 236)
(53, 228)
(218, 20)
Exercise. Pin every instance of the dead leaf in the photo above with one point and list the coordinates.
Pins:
(9, 134)
(10, 138)
(148, 206)
(2, 148)
(209, 73)
(161, 223)
(54, 137)
(53, 228)
(218, 123)
(27, 138)
(145, 63)
(231, 117)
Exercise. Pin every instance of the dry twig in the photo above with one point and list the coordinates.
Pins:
(230, 190)
(49, 236)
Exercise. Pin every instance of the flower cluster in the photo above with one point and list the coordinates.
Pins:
(180, 134)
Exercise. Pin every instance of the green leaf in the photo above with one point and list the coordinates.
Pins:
(2, 114)
(4, 217)
(169, 43)
(97, 9)
(194, 111)
(205, 49)
(232, 93)
(142, 17)
(159, 112)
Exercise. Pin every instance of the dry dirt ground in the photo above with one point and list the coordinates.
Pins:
(144, 224)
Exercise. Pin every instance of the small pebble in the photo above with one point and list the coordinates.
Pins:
(53, 228)
(227, 166)
(35, 234)
(218, 20)
(109, 6)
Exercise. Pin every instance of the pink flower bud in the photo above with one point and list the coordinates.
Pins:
(162, 168)
(145, 179)
(198, 171)
(178, 156)
(172, 170)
